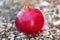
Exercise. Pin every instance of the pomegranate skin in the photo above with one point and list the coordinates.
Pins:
(29, 21)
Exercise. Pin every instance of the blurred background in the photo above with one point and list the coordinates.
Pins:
(51, 12)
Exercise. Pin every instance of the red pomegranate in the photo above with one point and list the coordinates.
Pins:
(29, 20)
